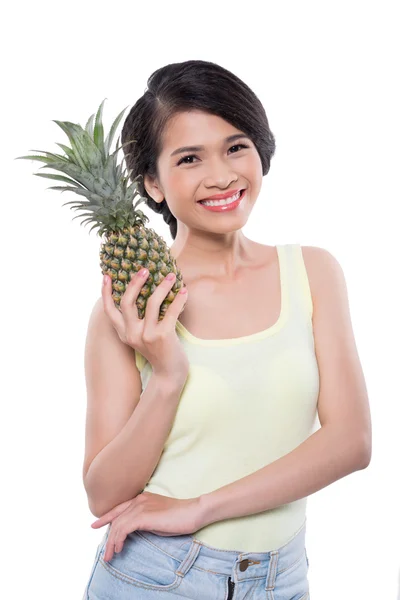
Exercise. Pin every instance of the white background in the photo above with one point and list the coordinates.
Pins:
(327, 74)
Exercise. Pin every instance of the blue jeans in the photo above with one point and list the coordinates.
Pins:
(183, 567)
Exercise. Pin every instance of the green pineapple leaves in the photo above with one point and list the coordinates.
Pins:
(98, 134)
(109, 138)
(94, 173)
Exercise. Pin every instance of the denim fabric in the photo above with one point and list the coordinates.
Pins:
(151, 566)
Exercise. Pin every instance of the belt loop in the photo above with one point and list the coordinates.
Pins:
(189, 559)
(271, 575)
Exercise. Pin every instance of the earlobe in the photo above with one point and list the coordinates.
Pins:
(152, 189)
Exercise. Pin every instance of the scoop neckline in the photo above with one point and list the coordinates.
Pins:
(274, 328)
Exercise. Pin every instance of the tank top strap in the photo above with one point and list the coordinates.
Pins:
(296, 281)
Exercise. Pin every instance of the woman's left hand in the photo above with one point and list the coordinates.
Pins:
(151, 512)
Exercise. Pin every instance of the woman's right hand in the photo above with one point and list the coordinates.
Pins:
(156, 340)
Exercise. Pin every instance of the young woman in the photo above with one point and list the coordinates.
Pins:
(200, 441)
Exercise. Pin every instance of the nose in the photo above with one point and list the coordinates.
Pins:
(220, 175)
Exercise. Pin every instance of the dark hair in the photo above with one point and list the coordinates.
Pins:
(190, 85)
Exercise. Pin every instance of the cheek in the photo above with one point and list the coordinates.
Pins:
(183, 186)
(255, 166)
(249, 166)
(179, 189)
(252, 173)
(181, 181)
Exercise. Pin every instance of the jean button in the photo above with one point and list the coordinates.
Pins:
(243, 564)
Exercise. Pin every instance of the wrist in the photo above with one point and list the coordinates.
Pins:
(205, 510)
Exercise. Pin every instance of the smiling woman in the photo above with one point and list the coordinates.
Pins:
(202, 471)
(197, 107)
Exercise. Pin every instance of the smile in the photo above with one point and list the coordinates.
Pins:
(224, 205)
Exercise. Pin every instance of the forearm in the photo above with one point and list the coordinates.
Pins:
(326, 456)
(121, 470)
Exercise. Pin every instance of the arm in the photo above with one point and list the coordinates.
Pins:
(343, 443)
(326, 456)
(125, 431)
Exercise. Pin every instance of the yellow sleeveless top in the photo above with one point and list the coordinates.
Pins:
(246, 402)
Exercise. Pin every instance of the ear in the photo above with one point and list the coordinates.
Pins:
(153, 189)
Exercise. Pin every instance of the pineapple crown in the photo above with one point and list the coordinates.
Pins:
(94, 174)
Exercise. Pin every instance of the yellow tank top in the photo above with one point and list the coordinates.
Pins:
(247, 401)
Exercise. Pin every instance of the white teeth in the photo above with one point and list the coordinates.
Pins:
(221, 202)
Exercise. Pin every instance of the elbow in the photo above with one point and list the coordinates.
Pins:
(94, 509)
(366, 459)
(101, 501)
(92, 504)
(98, 509)
(97, 504)
(364, 454)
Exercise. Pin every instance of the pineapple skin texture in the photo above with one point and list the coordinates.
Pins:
(125, 252)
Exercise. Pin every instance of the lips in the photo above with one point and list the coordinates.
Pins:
(224, 208)
(221, 196)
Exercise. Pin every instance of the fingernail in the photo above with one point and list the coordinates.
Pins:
(105, 279)
(170, 276)
(143, 272)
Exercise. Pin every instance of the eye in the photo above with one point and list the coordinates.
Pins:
(193, 156)
(238, 146)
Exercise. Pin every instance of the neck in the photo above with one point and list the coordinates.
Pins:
(218, 255)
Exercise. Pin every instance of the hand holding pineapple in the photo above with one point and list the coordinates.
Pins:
(108, 201)
(156, 340)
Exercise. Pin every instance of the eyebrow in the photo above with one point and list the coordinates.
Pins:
(231, 138)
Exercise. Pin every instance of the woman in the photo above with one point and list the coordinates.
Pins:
(200, 450)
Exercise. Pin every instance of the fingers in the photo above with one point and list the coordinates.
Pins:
(108, 302)
(112, 514)
(109, 549)
(128, 308)
(127, 317)
(157, 298)
(175, 308)
(129, 297)
(115, 543)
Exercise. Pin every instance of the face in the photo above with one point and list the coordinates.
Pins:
(222, 165)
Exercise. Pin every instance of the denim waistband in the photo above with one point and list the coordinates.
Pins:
(190, 551)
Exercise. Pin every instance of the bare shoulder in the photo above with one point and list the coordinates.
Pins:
(100, 326)
(323, 269)
(98, 311)
(329, 293)
(102, 335)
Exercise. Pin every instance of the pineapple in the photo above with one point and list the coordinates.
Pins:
(108, 201)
